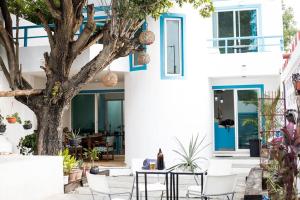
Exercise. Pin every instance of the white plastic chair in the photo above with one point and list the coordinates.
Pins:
(216, 167)
(216, 185)
(98, 184)
(136, 165)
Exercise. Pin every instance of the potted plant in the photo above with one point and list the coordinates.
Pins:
(2, 125)
(28, 144)
(92, 154)
(69, 163)
(189, 157)
(13, 118)
(74, 137)
(27, 125)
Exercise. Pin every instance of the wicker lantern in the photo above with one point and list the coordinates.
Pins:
(147, 37)
(110, 79)
(143, 58)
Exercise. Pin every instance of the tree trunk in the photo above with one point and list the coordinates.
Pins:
(50, 137)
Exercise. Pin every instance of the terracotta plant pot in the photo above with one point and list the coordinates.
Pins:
(298, 86)
(11, 120)
(79, 174)
(73, 176)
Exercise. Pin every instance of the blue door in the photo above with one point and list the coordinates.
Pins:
(224, 121)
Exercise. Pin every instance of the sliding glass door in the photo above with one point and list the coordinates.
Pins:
(235, 118)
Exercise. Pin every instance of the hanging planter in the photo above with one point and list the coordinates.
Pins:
(110, 79)
(2, 128)
(143, 58)
(147, 37)
(27, 125)
(2, 125)
(12, 119)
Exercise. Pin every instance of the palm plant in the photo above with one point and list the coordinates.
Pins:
(190, 156)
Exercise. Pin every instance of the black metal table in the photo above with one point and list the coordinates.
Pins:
(174, 182)
(145, 173)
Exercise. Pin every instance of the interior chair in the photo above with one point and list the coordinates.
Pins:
(215, 167)
(107, 148)
(136, 165)
(216, 186)
(99, 185)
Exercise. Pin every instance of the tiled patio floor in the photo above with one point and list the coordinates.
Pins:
(124, 184)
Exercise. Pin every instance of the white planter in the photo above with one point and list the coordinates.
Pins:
(66, 180)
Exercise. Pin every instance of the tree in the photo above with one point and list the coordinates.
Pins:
(118, 36)
(289, 25)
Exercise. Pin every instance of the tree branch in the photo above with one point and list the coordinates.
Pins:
(56, 14)
(6, 17)
(93, 39)
(47, 29)
(87, 73)
(15, 93)
(86, 33)
(10, 53)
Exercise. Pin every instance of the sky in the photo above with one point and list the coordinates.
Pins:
(295, 4)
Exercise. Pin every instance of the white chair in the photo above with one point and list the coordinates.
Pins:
(98, 184)
(216, 167)
(136, 165)
(216, 185)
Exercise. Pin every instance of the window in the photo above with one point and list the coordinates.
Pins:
(133, 58)
(239, 27)
(172, 59)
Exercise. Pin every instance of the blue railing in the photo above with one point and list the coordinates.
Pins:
(247, 44)
(24, 31)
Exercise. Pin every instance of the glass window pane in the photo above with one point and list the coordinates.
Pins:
(114, 115)
(226, 29)
(248, 27)
(83, 113)
(173, 46)
(247, 117)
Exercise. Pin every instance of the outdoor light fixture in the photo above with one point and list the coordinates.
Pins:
(221, 100)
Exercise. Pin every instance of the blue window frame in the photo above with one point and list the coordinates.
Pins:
(172, 33)
(133, 63)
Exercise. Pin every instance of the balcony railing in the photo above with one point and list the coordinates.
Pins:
(28, 33)
(247, 44)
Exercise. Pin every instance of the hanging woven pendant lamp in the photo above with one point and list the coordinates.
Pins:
(110, 79)
(147, 37)
(143, 58)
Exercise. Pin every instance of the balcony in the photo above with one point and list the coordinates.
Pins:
(245, 56)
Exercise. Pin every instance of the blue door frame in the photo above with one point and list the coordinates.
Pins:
(224, 138)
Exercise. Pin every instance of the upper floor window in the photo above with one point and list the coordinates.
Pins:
(172, 59)
(236, 31)
(133, 58)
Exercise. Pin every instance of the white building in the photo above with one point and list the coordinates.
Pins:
(202, 72)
